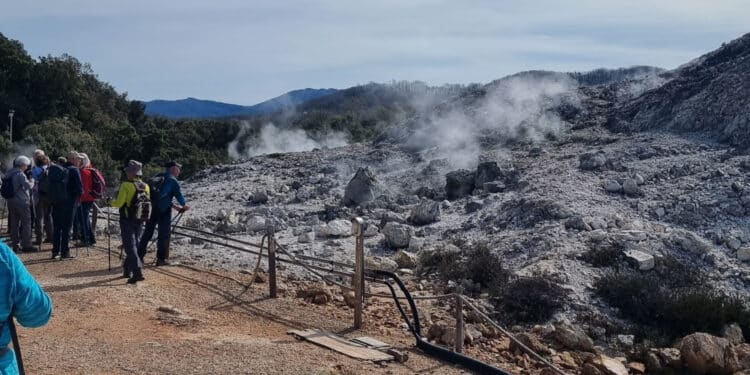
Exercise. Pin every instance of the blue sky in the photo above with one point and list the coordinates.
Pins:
(247, 51)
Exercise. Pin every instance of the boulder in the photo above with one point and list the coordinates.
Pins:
(381, 263)
(405, 259)
(591, 161)
(608, 366)
(337, 228)
(733, 333)
(494, 187)
(255, 224)
(317, 294)
(459, 184)
(577, 223)
(737, 357)
(361, 188)
(260, 197)
(306, 237)
(473, 205)
(743, 254)
(397, 235)
(573, 337)
(703, 353)
(531, 342)
(630, 187)
(486, 172)
(643, 261)
(612, 186)
(426, 212)
(690, 242)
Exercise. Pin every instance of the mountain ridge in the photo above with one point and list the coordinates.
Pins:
(191, 107)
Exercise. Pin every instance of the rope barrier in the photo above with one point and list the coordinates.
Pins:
(314, 270)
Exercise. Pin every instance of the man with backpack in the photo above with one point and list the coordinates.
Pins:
(65, 190)
(16, 189)
(93, 188)
(21, 298)
(40, 196)
(134, 203)
(164, 188)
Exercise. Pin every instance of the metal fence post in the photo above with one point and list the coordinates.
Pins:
(459, 339)
(271, 262)
(358, 281)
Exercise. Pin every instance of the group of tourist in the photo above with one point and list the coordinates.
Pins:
(56, 198)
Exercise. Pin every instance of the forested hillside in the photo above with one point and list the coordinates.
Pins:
(60, 105)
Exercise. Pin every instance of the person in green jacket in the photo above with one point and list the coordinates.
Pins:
(21, 298)
(129, 189)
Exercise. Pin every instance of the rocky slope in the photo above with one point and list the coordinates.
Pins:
(551, 178)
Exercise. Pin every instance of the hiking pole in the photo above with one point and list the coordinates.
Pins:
(16, 344)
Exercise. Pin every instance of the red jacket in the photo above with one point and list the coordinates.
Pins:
(88, 184)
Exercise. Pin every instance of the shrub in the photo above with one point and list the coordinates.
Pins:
(484, 267)
(528, 300)
(607, 254)
(673, 301)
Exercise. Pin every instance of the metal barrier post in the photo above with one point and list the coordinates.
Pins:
(271, 262)
(458, 344)
(358, 281)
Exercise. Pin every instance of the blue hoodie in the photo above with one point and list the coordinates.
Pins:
(19, 292)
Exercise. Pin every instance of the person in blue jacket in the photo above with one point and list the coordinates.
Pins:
(164, 189)
(23, 298)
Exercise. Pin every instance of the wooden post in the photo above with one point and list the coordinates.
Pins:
(459, 339)
(358, 282)
(271, 262)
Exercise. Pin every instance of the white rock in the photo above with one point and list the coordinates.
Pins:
(255, 224)
(338, 228)
(645, 262)
(306, 237)
(734, 243)
(397, 235)
(639, 179)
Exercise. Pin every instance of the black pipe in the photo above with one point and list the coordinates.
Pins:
(469, 363)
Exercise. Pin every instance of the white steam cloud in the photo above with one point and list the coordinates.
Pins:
(273, 139)
(518, 107)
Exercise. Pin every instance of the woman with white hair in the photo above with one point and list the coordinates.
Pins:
(20, 205)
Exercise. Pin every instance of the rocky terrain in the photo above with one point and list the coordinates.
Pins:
(644, 166)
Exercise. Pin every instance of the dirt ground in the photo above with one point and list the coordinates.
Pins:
(101, 325)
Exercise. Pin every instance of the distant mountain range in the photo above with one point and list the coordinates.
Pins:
(198, 108)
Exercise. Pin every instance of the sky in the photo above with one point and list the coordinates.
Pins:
(244, 51)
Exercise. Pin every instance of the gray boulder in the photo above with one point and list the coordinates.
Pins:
(487, 172)
(427, 212)
(405, 259)
(397, 236)
(612, 186)
(573, 337)
(459, 184)
(260, 197)
(630, 187)
(591, 161)
(361, 188)
(473, 205)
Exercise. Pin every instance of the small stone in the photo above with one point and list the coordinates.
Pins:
(612, 186)
(733, 333)
(405, 259)
(530, 341)
(637, 368)
(734, 243)
(306, 237)
(170, 310)
(639, 179)
(473, 205)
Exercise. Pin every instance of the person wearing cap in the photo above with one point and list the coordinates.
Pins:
(20, 205)
(133, 267)
(64, 197)
(168, 189)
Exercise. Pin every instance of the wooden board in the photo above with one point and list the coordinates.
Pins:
(341, 345)
(371, 342)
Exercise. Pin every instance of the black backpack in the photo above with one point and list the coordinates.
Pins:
(58, 182)
(140, 206)
(6, 190)
(156, 184)
(43, 183)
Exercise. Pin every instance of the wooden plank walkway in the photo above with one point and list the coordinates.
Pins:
(341, 345)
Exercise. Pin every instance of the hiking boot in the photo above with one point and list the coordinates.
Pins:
(55, 256)
(137, 276)
(29, 249)
(162, 262)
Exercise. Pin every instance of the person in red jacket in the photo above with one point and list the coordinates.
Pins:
(87, 202)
